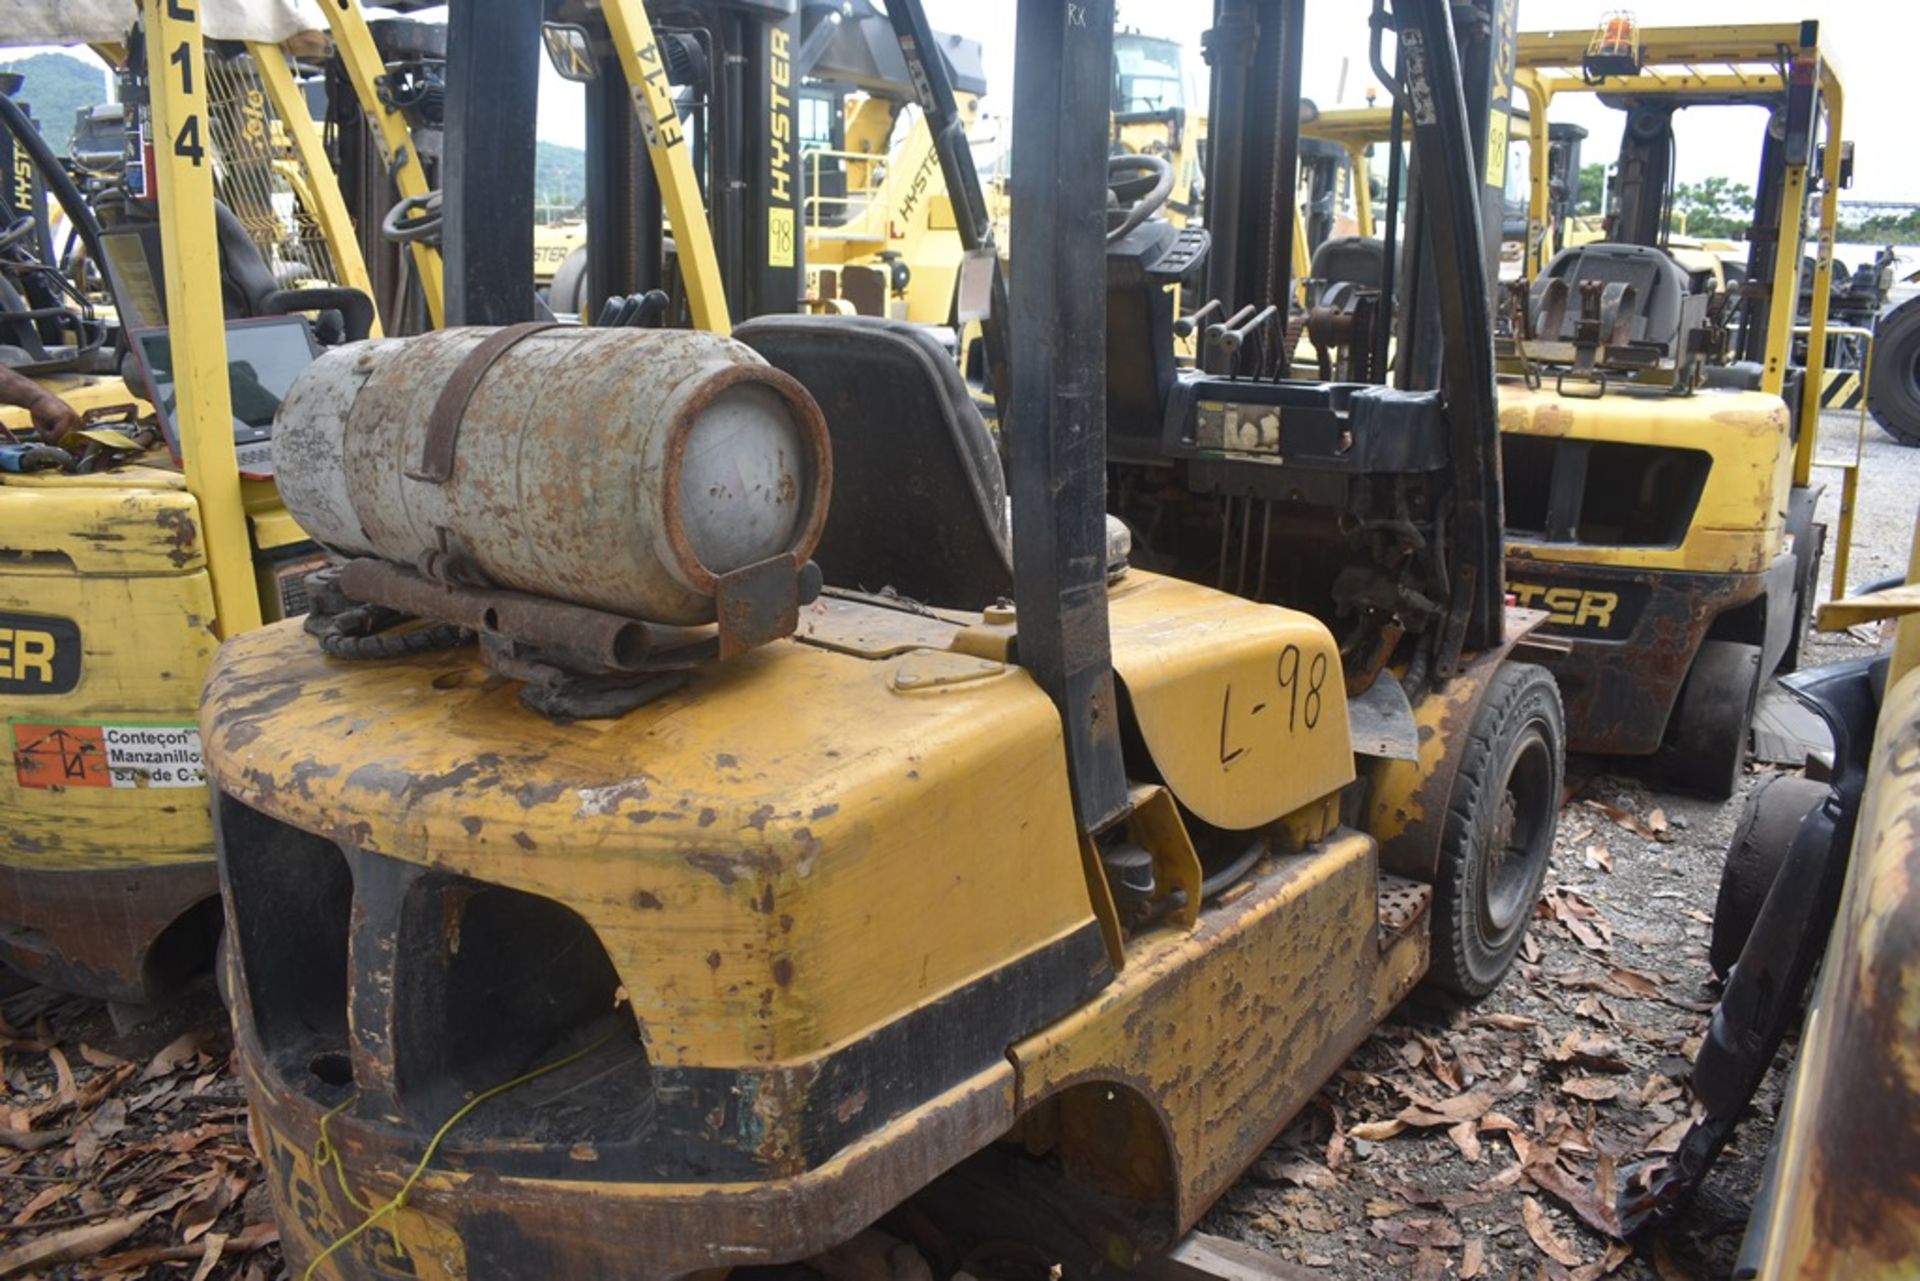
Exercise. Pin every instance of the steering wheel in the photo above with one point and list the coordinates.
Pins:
(1141, 184)
(414, 218)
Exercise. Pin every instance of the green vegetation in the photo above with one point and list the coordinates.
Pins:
(1897, 229)
(559, 178)
(1591, 196)
(1717, 208)
(57, 86)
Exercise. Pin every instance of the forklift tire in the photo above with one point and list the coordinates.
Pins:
(1712, 720)
(1498, 837)
(1805, 591)
(1893, 392)
(1773, 814)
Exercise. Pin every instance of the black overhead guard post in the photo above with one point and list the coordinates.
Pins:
(1056, 424)
(493, 79)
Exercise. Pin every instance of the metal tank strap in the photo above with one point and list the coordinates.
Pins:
(443, 424)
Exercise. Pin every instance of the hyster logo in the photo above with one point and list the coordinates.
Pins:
(1569, 606)
(38, 655)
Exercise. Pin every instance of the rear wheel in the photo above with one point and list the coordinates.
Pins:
(1767, 826)
(1707, 738)
(1498, 836)
(1893, 391)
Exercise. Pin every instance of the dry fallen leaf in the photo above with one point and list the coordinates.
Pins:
(1577, 1197)
(1375, 1131)
(1667, 1139)
(66, 1092)
(70, 1246)
(1473, 1259)
(1304, 1174)
(1617, 1254)
(1593, 1089)
(1599, 857)
(1585, 1049)
(181, 1052)
(210, 1255)
(99, 1058)
(1465, 1136)
(1550, 1243)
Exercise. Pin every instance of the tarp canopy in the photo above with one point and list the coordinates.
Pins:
(37, 22)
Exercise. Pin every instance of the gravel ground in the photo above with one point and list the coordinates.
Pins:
(1462, 1143)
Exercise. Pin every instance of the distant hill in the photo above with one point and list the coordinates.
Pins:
(559, 176)
(57, 86)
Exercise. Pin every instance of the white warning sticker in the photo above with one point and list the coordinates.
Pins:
(65, 754)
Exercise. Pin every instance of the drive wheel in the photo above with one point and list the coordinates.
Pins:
(1772, 817)
(1707, 738)
(1498, 837)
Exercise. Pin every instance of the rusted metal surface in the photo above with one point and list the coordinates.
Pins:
(95, 932)
(1619, 691)
(1844, 1196)
(440, 446)
(542, 1227)
(595, 639)
(618, 469)
(1221, 1034)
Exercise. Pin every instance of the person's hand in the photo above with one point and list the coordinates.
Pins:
(54, 417)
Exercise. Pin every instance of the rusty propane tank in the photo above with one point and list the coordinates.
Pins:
(623, 469)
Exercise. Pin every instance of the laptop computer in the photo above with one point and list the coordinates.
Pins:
(264, 356)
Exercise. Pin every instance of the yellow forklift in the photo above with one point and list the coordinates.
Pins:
(1658, 434)
(159, 531)
(776, 816)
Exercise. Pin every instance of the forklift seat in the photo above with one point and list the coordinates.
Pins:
(250, 290)
(1351, 260)
(919, 498)
(1660, 289)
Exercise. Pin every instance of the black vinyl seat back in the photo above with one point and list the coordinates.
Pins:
(1349, 260)
(1660, 289)
(250, 289)
(919, 498)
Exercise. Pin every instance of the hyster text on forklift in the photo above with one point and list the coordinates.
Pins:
(776, 816)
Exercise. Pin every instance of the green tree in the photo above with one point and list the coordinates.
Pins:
(1717, 208)
(1591, 196)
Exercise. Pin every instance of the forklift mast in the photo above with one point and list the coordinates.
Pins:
(1454, 84)
(734, 61)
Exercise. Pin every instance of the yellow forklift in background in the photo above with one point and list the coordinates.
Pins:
(1658, 435)
(797, 836)
(159, 532)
